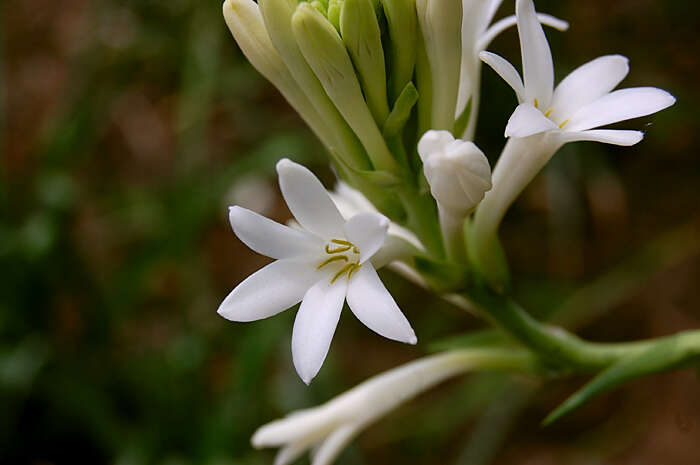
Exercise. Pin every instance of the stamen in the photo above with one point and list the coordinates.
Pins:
(342, 249)
(349, 268)
(331, 260)
(563, 123)
(537, 104)
(548, 112)
(342, 242)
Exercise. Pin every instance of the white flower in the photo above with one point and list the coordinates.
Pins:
(476, 36)
(584, 100)
(457, 171)
(320, 266)
(328, 428)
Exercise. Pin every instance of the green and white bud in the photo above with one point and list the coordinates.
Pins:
(440, 22)
(277, 15)
(402, 21)
(325, 52)
(360, 32)
(244, 20)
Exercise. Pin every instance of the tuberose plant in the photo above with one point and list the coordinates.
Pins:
(392, 89)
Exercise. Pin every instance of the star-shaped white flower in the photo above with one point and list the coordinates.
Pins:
(321, 265)
(584, 100)
(477, 34)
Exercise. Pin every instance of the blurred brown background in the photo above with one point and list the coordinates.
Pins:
(126, 129)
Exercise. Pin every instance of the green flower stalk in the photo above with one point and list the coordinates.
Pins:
(325, 52)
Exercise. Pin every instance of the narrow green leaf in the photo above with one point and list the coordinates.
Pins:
(401, 112)
(662, 355)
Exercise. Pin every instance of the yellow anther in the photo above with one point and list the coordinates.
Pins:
(537, 104)
(548, 112)
(335, 258)
(563, 123)
(341, 249)
(342, 242)
(350, 268)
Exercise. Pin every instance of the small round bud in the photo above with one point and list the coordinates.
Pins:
(457, 171)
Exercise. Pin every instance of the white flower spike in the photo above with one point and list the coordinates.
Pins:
(321, 265)
(477, 15)
(584, 100)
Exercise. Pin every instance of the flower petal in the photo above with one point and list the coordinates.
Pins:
(588, 83)
(504, 69)
(334, 444)
(620, 105)
(538, 69)
(315, 325)
(606, 136)
(308, 200)
(368, 232)
(433, 141)
(270, 238)
(270, 290)
(527, 120)
(502, 24)
(375, 307)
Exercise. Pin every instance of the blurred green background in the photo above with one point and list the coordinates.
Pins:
(127, 127)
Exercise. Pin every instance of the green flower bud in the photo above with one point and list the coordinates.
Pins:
(325, 52)
(360, 32)
(246, 24)
(440, 22)
(277, 15)
(402, 21)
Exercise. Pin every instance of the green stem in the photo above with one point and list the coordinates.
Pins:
(554, 345)
(422, 219)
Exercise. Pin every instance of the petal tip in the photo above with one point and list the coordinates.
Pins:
(284, 164)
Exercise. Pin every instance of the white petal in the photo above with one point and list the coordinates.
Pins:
(527, 120)
(538, 69)
(606, 136)
(588, 83)
(433, 141)
(270, 290)
(504, 69)
(270, 238)
(334, 445)
(509, 21)
(368, 232)
(375, 307)
(620, 105)
(315, 325)
(308, 200)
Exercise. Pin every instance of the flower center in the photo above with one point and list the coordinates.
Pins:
(344, 254)
(549, 112)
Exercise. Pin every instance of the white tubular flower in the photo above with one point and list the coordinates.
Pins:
(584, 100)
(328, 428)
(546, 119)
(459, 175)
(476, 36)
(321, 266)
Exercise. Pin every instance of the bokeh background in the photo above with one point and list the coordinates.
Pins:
(126, 129)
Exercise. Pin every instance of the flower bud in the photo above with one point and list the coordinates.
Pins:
(457, 171)
(440, 22)
(327, 56)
